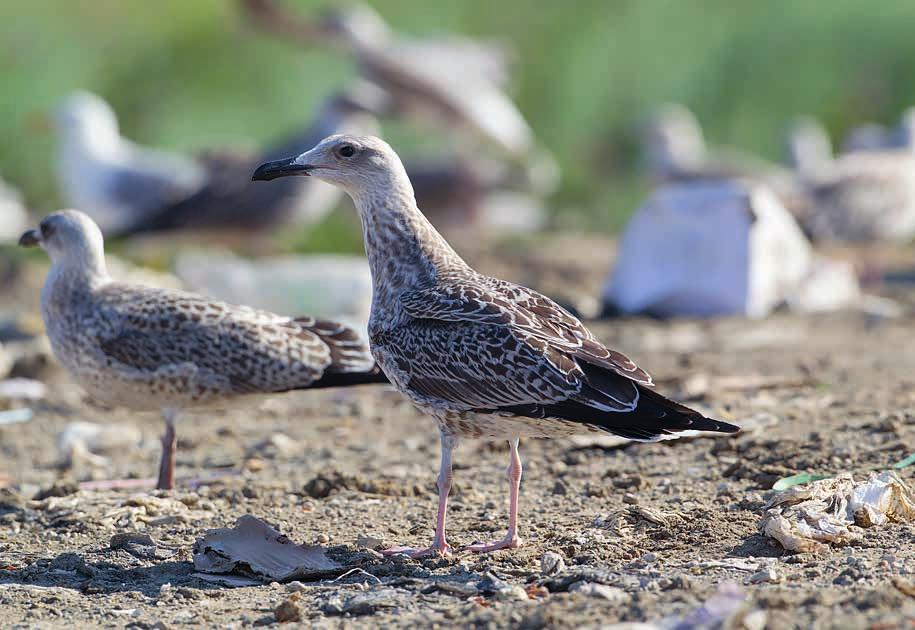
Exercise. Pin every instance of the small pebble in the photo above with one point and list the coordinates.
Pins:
(616, 596)
(288, 610)
(370, 541)
(768, 574)
(552, 563)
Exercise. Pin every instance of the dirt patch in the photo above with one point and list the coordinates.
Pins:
(631, 533)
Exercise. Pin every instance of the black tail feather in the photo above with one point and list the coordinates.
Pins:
(349, 379)
(654, 417)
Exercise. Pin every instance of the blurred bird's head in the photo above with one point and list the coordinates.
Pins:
(360, 165)
(672, 139)
(354, 24)
(86, 117)
(71, 239)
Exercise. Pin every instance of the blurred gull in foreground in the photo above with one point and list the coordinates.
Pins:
(150, 348)
(703, 249)
(127, 188)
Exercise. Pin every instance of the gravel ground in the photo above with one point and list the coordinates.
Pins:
(635, 533)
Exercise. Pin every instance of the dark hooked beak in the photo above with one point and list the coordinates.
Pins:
(280, 168)
(30, 239)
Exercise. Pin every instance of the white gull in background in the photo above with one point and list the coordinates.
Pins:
(161, 349)
(127, 188)
(13, 216)
(675, 150)
(485, 357)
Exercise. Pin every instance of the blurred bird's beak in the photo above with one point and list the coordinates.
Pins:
(30, 239)
(280, 168)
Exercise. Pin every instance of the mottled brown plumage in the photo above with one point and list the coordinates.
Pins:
(485, 357)
(150, 348)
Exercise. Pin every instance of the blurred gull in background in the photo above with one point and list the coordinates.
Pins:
(450, 82)
(864, 196)
(807, 146)
(129, 189)
(675, 150)
(711, 248)
(112, 178)
(877, 137)
(13, 216)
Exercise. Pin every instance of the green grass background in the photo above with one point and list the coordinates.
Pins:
(190, 74)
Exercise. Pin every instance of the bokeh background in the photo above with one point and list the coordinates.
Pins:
(193, 75)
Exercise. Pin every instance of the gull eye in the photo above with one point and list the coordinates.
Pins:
(46, 229)
(346, 151)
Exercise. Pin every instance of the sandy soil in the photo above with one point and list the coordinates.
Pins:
(643, 532)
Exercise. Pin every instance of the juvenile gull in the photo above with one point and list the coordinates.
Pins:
(485, 357)
(147, 348)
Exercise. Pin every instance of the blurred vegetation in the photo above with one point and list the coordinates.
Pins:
(190, 75)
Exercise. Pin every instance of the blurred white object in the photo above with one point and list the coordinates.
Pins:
(14, 220)
(84, 441)
(809, 517)
(827, 286)
(23, 389)
(338, 287)
(706, 249)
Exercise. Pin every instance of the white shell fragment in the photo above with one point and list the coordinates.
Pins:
(706, 249)
(810, 517)
(254, 549)
(87, 442)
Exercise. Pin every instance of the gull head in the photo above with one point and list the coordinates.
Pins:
(70, 237)
(360, 165)
(356, 24)
(672, 139)
(85, 116)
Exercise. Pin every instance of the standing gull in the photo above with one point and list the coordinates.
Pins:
(147, 348)
(485, 357)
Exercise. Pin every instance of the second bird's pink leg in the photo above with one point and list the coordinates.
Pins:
(439, 545)
(511, 540)
(166, 480)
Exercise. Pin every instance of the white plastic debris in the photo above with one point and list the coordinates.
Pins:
(87, 441)
(708, 248)
(321, 286)
(810, 517)
(253, 549)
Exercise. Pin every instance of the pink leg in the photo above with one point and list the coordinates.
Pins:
(511, 540)
(440, 546)
(166, 479)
